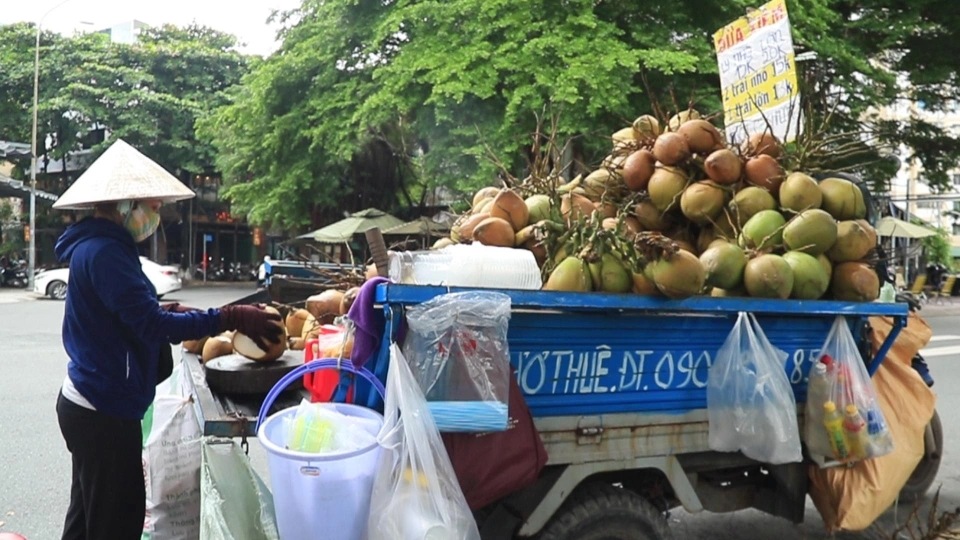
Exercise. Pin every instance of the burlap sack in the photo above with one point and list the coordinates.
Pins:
(851, 498)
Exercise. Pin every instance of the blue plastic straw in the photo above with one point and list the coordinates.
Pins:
(469, 416)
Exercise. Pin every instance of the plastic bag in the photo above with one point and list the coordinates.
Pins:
(415, 494)
(750, 403)
(236, 504)
(457, 349)
(843, 416)
(319, 428)
(171, 463)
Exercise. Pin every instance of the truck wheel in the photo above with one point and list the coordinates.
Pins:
(599, 511)
(926, 472)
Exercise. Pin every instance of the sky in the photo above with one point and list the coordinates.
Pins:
(245, 19)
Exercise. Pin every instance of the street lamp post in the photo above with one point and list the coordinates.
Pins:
(31, 271)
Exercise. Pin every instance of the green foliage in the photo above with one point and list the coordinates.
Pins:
(936, 248)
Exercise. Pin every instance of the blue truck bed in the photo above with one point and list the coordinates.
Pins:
(602, 354)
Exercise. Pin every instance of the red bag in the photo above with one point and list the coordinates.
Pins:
(493, 465)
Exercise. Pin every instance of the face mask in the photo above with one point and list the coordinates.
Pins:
(140, 220)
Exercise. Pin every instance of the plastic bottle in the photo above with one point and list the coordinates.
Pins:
(818, 393)
(881, 441)
(462, 265)
(833, 421)
(855, 430)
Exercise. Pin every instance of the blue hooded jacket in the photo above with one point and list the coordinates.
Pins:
(113, 326)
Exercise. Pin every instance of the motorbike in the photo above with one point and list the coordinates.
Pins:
(14, 275)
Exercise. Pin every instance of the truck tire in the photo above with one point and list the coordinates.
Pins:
(600, 511)
(926, 471)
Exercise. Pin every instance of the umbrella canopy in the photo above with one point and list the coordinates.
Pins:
(358, 223)
(419, 226)
(898, 228)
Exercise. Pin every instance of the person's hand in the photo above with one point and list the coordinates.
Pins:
(252, 321)
(176, 307)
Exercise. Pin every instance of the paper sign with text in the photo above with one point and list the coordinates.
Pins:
(758, 74)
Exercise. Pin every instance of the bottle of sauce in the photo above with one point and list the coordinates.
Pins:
(833, 421)
(855, 429)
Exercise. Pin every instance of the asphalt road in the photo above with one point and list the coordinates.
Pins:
(34, 464)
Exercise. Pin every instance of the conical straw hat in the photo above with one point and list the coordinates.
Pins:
(122, 174)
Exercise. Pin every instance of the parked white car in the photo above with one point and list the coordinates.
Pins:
(53, 283)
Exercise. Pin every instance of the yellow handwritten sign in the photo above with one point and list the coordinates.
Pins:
(758, 77)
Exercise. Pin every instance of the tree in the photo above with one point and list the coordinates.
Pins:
(445, 85)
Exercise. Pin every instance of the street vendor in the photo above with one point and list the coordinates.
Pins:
(113, 331)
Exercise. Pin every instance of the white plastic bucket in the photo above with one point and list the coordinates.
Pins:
(320, 496)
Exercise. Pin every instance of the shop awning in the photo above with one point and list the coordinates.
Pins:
(20, 189)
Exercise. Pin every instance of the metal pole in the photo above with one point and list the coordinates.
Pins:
(32, 256)
(906, 217)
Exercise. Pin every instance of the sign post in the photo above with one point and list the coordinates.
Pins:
(206, 239)
(758, 77)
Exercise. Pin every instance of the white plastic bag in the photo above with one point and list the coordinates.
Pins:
(856, 428)
(415, 494)
(750, 403)
(171, 464)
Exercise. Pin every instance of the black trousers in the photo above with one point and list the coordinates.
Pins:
(107, 497)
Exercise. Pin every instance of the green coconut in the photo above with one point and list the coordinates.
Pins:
(748, 201)
(827, 265)
(855, 239)
(572, 274)
(614, 277)
(843, 199)
(723, 263)
(800, 192)
(538, 206)
(764, 230)
(811, 231)
(810, 279)
(679, 275)
(702, 202)
(768, 276)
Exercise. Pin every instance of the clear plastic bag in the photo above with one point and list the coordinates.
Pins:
(235, 503)
(750, 403)
(843, 417)
(319, 428)
(416, 495)
(457, 348)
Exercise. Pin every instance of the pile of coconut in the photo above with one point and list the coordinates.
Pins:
(680, 212)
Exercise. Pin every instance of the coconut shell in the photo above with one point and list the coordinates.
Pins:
(511, 207)
(216, 346)
(702, 137)
(843, 199)
(682, 117)
(325, 307)
(309, 325)
(723, 166)
(638, 168)
(671, 149)
(442, 243)
(349, 296)
(470, 224)
(854, 282)
(646, 129)
(855, 240)
(764, 171)
(495, 231)
(194, 346)
(575, 206)
(623, 136)
(296, 343)
(295, 320)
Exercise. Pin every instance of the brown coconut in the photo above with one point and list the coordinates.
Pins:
(679, 275)
(442, 243)
(295, 320)
(748, 202)
(855, 240)
(768, 276)
(638, 168)
(649, 218)
(575, 206)
(723, 166)
(349, 296)
(764, 171)
(763, 143)
(511, 207)
(681, 118)
(194, 346)
(665, 187)
(702, 136)
(671, 149)
(495, 231)
(702, 202)
(488, 192)
(325, 307)
(470, 224)
(646, 129)
(854, 282)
